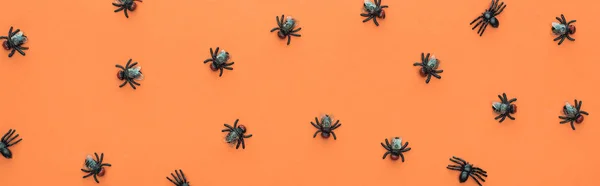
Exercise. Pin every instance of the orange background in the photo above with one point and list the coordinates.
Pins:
(63, 97)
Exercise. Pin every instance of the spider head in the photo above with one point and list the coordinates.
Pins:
(422, 72)
(6, 153)
(213, 66)
(101, 172)
(494, 22)
(513, 108)
(5, 45)
(381, 14)
(281, 35)
(325, 134)
(121, 75)
(242, 127)
(394, 157)
(571, 29)
(579, 119)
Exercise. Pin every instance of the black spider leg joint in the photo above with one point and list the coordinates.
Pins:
(427, 69)
(286, 29)
(217, 64)
(179, 180)
(467, 170)
(489, 17)
(8, 141)
(10, 44)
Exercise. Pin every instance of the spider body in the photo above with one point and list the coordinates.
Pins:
(180, 179)
(95, 167)
(125, 5)
(286, 28)
(504, 108)
(467, 170)
(325, 127)
(563, 29)
(14, 42)
(572, 114)
(489, 17)
(219, 60)
(429, 67)
(8, 141)
(236, 134)
(395, 149)
(373, 11)
(129, 74)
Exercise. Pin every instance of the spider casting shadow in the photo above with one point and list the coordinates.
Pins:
(8, 141)
(286, 28)
(573, 114)
(429, 67)
(125, 5)
(563, 29)
(95, 167)
(129, 74)
(374, 11)
(219, 61)
(504, 108)
(489, 17)
(14, 42)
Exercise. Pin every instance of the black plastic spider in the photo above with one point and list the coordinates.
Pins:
(129, 74)
(219, 61)
(572, 114)
(374, 10)
(125, 5)
(489, 17)
(180, 179)
(236, 134)
(467, 170)
(563, 29)
(325, 127)
(286, 28)
(504, 108)
(95, 167)
(14, 42)
(7, 141)
(395, 148)
(429, 67)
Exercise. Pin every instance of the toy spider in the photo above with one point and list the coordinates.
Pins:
(14, 42)
(7, 141)
(180, 179)
(572, 114)
(286, 28)
(429, 67)
(236, 134)
(125, 5)
(129, 74)
(467, 170)
(504, 108)
(95, 167)
(489, 17)
(563, 29)
(325, 127)
(219, 61)
(374, 11)
(395, 148)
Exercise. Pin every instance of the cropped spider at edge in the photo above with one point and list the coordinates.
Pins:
(8, 141)
(572, 114)
(504, 108)
(179, 180)
(95, 167)
(563, 29)
(395, 149)
(14, 42)
(286, 28)
(429, 67)
(129, 74)
(489, 17)
(236, 134)
(219, 60)
(325, 127)
(373, 11)
(125, 5)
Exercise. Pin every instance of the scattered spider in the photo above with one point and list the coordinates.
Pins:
(563, 29)
(180, 179)
(129, 74)
(504, 108)
(489, 17)
(95, 167)
(325, 127)
(572, 114)
(429, 67)
(286, 28)
(395, 148)
(14, 42)
(125, 5)
(374, 10)
(219, 60)
(467, 170)
(7, 141)
(236, 134)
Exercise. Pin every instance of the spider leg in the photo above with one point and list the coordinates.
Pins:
(484, 27)
(479, 172)
(493, 5)
(3, 37)
(577, 104)
(364, 15)
(384, 6)
(557, 38)
(119, 66)
(221, 72)
(314, 125)
(289, 39)
(175, 178)
(315, 135)
(460, 159)
(8, 135)
(510, 117)
(336, 126)
(12, 52)
(428, 78)
(208, 60)
(566, 120)
(334, 137)
(273, 30)
(368, 18)
(20, 51)
(500, 9)
(561, 39)
(225, 130)
(562, 117)
(512, 100)
(438, 71)
(453, 168)
(583, 112)
(183, 176)
(297, 35)
(97, 158)
(133, 64)
(478, 23)
(386, 153)
(119, 9)
(296, 30)
(386, 147)
(238, 144)
(436, 75)
(375, 21)
(572, 21)
(126, 15)
(228, 68)
(282, 20)
(563, 18)
(387, 143)
(128, 63)
(377, 2)
(243, 143)
(457, 162)
(401, 156)
(278, 22)
(125, 82)
(569, 37)
(426, 58)
(101, 158)
(96, 178)
(235, 123)
(86, 170)
(417, 64)
(248, 136)
(178, 177)
(10, 31)
(88, 175)
(117, 5)
(502, 119)
(172, 181)
(474, 178)
(572, 125)
(106, 164)
(135, 83)
(406, 149)
(132, 86)
(559, 20)
(24, 48)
